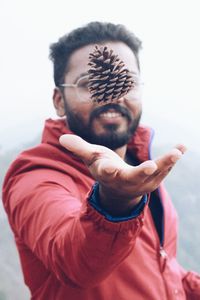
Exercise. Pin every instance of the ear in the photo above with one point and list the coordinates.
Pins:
(58, 102)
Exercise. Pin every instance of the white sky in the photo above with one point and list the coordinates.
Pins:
(170, 61)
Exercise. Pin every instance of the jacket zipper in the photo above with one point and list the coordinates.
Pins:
(161, 250)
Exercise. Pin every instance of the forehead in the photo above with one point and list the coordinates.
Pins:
(78, 62)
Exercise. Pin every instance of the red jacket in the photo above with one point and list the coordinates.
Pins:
(70, 251)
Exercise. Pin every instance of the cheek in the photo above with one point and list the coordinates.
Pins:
(83, 111)
(135, 107)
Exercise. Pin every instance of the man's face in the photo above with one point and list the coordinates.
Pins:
(110, 125)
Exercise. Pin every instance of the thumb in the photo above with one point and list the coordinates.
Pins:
(78, 146)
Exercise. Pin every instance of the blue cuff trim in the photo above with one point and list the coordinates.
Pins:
(95, 203)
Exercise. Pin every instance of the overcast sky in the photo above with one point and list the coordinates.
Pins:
(170, 62)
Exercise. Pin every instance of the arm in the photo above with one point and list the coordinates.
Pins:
(46, 213)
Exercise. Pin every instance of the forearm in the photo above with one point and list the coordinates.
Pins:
(87, 241)
(69, 237)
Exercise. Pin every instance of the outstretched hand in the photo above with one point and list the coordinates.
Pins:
(121, 185)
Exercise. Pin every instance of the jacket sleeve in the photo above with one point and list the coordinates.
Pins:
(94, 200)
(191, 284)
(67, 234)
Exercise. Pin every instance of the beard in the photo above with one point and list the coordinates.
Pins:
(111, 139)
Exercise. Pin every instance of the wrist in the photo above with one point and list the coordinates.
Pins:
(117, 205)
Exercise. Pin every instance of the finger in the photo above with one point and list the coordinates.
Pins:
(164, 164)
(110, 167)
(78, 146)
(147, 168)
(173, 156)
(181, 148)
(168, 160)
(139, 173)
(157, 178)
(125, 173)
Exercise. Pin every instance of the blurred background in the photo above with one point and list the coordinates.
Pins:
(170, 67)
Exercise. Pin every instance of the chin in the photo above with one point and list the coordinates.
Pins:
(111, 139)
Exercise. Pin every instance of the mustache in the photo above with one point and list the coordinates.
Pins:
(103, 109)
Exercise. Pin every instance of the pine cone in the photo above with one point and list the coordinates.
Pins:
(108, 78)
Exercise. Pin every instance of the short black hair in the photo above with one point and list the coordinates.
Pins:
(93, 32)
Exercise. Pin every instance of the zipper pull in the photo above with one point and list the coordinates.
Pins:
(163, 259)
(163, 253)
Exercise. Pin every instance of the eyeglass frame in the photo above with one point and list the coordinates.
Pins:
(75, 85)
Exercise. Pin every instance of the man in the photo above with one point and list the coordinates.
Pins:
(90, 216)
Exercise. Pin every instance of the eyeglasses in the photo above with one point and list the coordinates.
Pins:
(83, 94)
